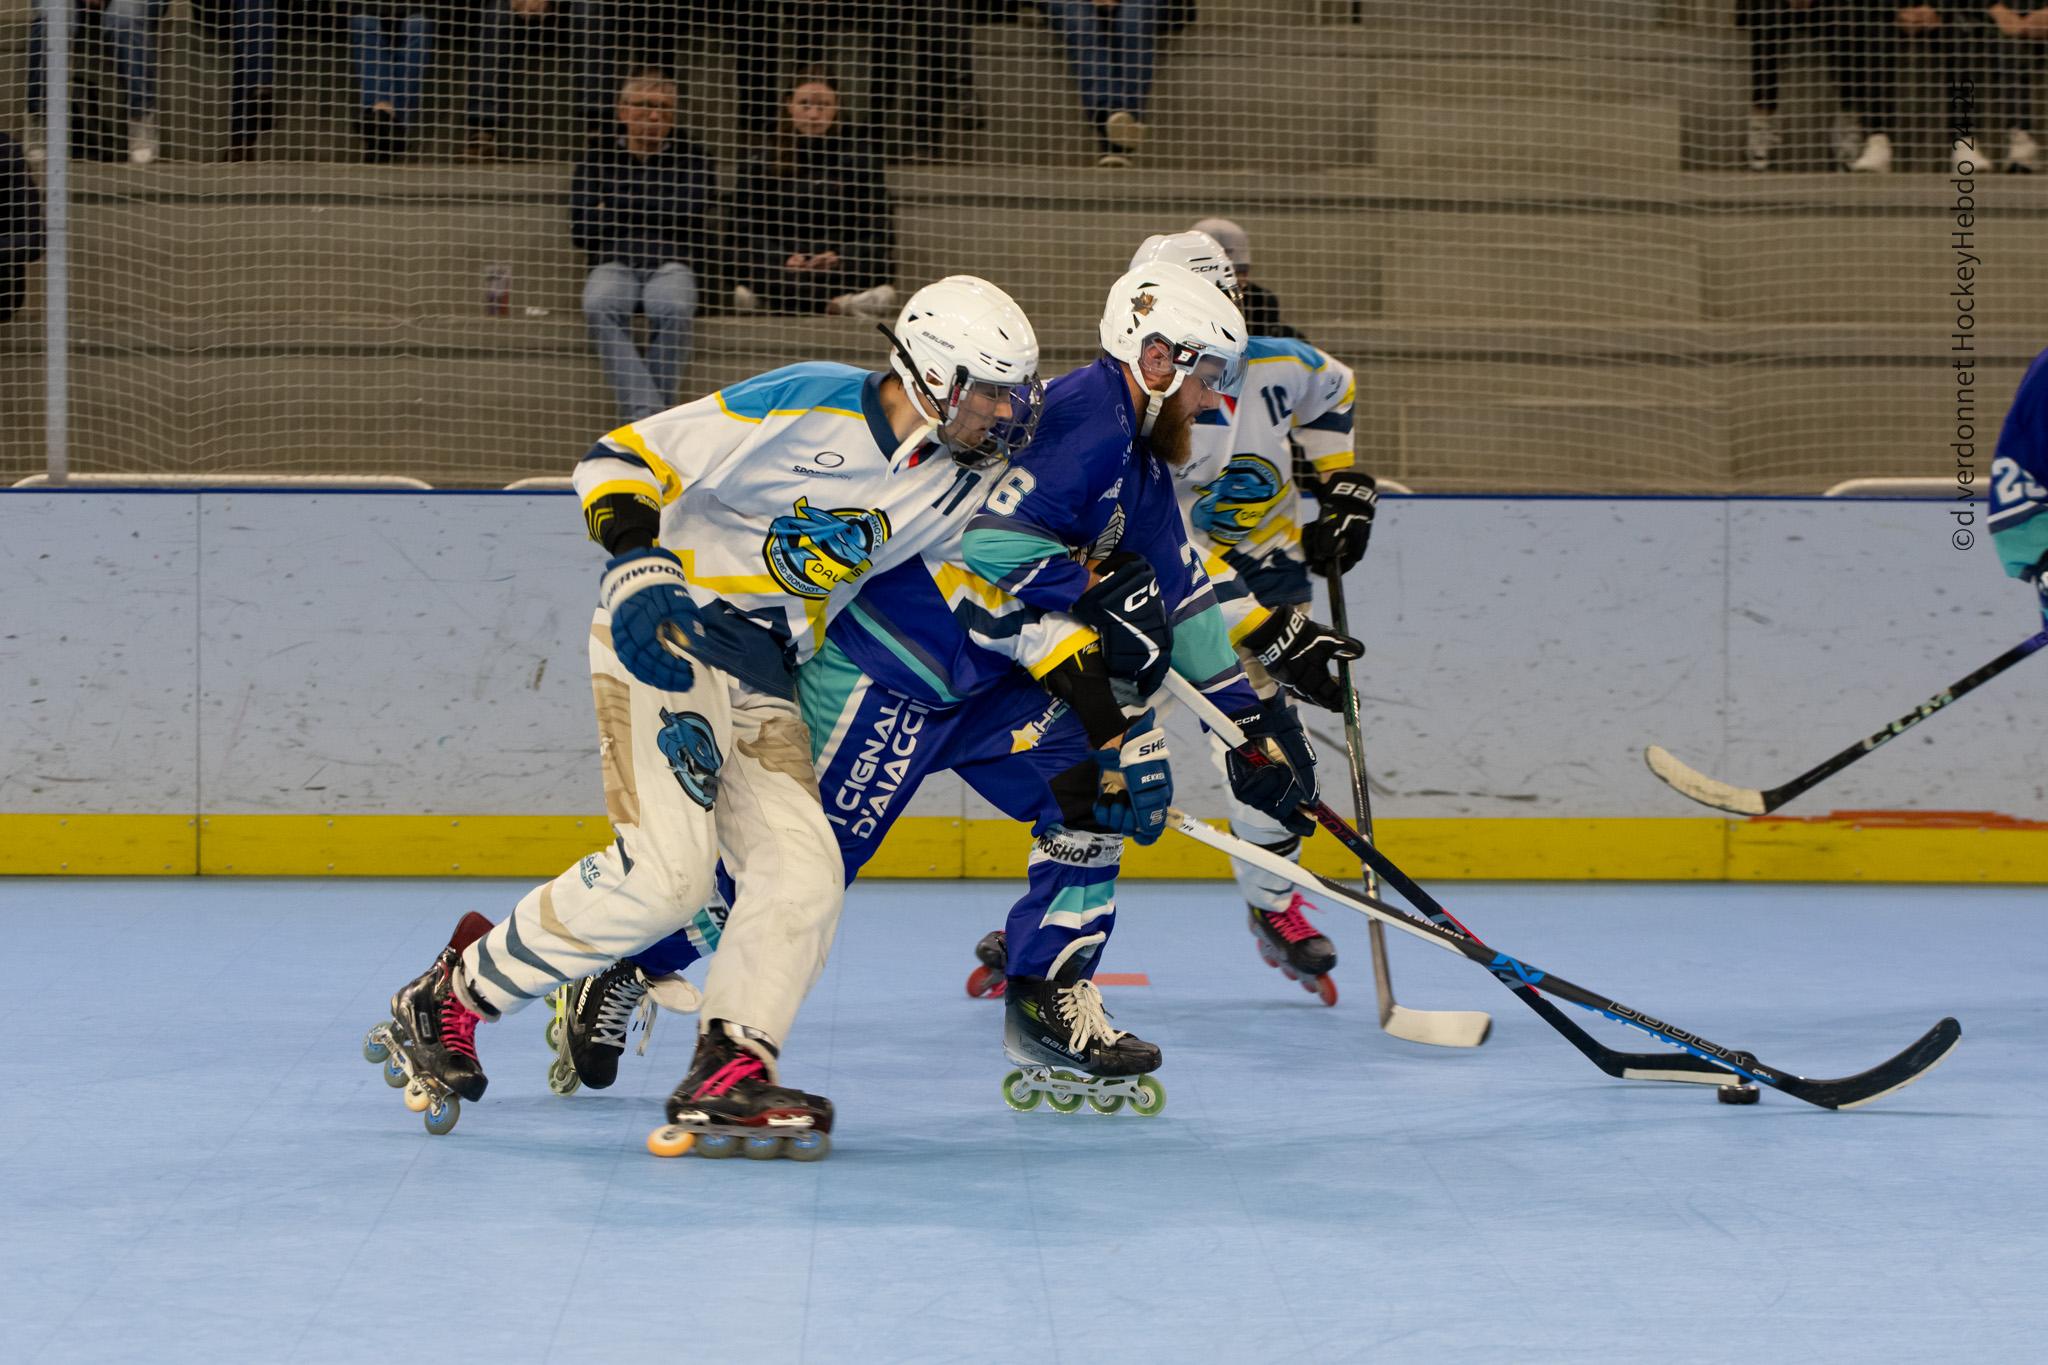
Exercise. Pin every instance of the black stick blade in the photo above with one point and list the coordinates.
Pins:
(1851, 1092)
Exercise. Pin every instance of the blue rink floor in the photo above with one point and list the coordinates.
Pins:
(196, 1164)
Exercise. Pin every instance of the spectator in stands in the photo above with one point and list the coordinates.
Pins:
(390, 41)
(248, 30)
(1111, 46)
(1260, 307)
(21, 226)
(510, 34)
(1771, 25)
(1863, 42)
(1995, 52)
(811, 218)
(132, 26)
(638, 209)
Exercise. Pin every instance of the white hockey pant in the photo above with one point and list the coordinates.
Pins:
(764, 819)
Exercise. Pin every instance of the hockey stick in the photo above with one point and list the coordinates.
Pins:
(1847, 1092)
(1689, 781)
(1439, 1028)
(1706, 1063)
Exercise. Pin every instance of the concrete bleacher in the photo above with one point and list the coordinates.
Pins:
(1523, 314)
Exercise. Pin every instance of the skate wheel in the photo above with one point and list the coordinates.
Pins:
(1266, 953)
(671, 1141)
(1152, 1097)
(1325, 990)
(761, 1147)
(717, 1146)
(985, 981)
(562, 1078)
(1105, 1104)
(1064, 1104)
(811, 1146)
(441, 1116)
(1293, 975)
(374, 1051)
(394, 1073)
(1019, 1093)
(554, 1035)
(417, 1099)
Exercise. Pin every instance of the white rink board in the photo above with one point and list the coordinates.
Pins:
(426, 653)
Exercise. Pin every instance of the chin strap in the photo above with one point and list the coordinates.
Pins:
(1156, 398)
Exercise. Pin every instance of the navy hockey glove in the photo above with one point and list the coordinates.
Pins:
(1126, 609)
(1289, 780)
(653, 618)
(1342, 527)
(1303, 656)
(1136, 782)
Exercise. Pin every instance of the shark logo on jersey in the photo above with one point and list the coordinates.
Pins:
(812, 551)
(1228, 508)
(686, 742)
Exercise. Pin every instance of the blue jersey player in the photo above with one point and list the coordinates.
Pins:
(2019, 484)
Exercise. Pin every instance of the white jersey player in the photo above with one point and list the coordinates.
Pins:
(1240, 492)
(738, 525)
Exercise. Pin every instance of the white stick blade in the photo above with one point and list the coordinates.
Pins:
(1439, 1028)
(1688, 781)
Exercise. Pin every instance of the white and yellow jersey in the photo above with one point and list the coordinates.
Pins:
(1237, 490)
(780, 497)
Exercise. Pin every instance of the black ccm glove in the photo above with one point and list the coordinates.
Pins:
(1126, 609)
(1342, 527)
(1289, 780)
(1303, 656)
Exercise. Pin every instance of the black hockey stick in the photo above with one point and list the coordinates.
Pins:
(1705, 1063)
(1689, 781)
(1439, 1028)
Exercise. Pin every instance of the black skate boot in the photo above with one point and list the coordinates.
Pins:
(1059, 1035)
(730, 1103)
(988, 978)
(1289, 942)
(594, 1015)
(429, 1047)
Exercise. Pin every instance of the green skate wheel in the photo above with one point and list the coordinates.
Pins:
(1153, 1098)
(554, 1034)
(808, 1147)
(394, 1073)
(717, 1146)
(762, 1147)
(1019, 1093)
(441, 1116)
(562, 1078)
(1105, 1104)
(1063, 1104)
(374, 1051)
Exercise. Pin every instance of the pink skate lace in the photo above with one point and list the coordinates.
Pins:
(728, 1076)
(1290, 922)
(458, 1027)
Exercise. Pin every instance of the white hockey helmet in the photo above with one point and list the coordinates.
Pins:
(1167, 302)
(967, 349)
(1199, 252)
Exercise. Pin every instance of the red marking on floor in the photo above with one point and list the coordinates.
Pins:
(1122, 979)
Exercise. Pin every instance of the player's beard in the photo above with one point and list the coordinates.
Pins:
(1170, 438)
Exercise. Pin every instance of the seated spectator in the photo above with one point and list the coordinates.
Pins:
(248, 30)
(1260, 307)
(1771, 25)
(132, 26)
(1998, 48)
(515, 33)
(390, 41)
(1111, 45)
(811, 217)
(638, 207)
(21, 226)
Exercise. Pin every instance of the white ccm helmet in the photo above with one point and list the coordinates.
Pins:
(1171, 303)
(1199, 252)
(962, 342)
